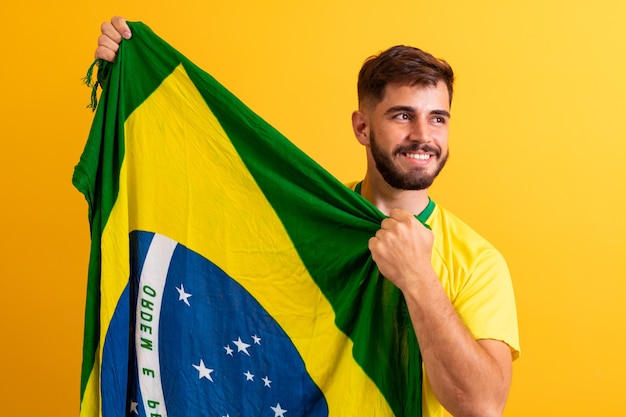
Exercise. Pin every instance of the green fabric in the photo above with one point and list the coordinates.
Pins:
(329, 224)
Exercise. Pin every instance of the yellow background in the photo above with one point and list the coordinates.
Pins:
(538, 145)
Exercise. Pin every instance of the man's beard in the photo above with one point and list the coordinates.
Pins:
(416, 179)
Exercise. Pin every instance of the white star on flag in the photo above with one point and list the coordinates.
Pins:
(182, 295)
(249, 376)
(267, 382)
(257, 339)
(203, 371)
(228, 349)
(133, 407)
(278, 412)
(241, 346)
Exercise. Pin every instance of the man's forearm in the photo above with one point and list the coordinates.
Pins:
(469, 377)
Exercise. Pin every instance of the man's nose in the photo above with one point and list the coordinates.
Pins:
(419, 131)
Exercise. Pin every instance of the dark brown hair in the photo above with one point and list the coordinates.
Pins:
(401, 65)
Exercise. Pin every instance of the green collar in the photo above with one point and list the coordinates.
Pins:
(422, 217)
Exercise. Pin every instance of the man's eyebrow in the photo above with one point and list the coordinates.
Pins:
(441, 113)
(396, 109)
(409, 109)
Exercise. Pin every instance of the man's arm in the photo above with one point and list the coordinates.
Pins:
(110, 38)
(469, 377)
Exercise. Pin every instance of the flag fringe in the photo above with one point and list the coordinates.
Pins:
(92, 83)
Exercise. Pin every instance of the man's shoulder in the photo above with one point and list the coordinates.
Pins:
(446, 220)
(453, 232)
(352, 184)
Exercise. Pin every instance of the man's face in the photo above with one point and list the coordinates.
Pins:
(409, 135)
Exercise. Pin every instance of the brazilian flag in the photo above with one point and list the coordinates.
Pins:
(229, 273)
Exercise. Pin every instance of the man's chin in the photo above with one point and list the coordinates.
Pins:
(411, 184)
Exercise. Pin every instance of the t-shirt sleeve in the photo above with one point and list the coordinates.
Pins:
(486, 302)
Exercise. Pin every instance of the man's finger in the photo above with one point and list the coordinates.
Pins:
(108, 43)
(105, 54)
(120, 25)
(109, 31)
(399, 214)
(107, 49)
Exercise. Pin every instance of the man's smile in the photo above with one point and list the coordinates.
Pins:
(419, 156)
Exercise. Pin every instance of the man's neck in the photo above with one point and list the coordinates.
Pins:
(386, 198)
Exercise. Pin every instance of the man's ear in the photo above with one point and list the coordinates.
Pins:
(360, 126)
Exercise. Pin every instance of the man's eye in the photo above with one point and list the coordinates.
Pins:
(403, 116)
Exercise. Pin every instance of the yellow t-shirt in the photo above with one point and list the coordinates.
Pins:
(478, 283)
(477, 280)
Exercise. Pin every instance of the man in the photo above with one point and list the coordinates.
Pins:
(456, 285)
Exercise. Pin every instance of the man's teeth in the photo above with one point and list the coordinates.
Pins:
(421, 156)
